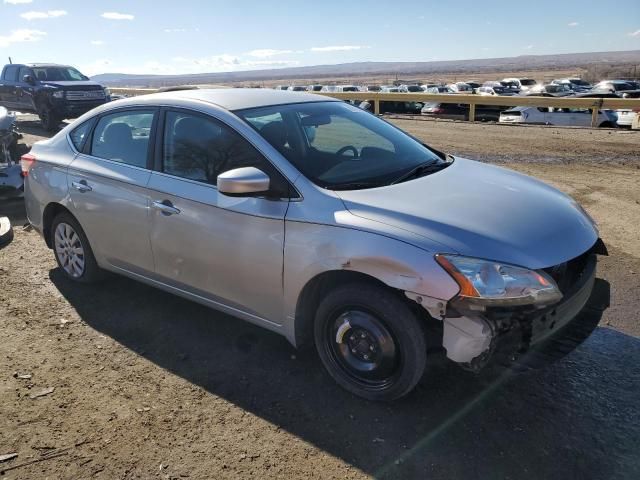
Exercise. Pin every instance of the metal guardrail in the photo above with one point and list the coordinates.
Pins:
(594, 104)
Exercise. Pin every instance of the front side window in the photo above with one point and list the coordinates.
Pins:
(123, 137)
(337, 145)
(200, 148)
(11, 73)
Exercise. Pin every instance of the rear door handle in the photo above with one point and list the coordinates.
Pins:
(166, 207)
(81, 186)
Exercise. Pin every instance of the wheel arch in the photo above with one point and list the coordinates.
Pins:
(314, 290)
(51, 211)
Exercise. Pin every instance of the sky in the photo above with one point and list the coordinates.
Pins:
(198, 36)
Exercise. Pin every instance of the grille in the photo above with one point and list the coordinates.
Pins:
(568, 273)
(85, 95)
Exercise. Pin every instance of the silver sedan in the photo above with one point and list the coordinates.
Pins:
(322, 222)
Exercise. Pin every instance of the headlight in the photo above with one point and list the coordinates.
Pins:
(58, 94)
(487, 283)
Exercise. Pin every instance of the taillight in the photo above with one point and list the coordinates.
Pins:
(27, 161)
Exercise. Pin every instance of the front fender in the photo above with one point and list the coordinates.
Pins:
(313, 249)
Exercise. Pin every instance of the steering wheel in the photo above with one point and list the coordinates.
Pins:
(347, 148)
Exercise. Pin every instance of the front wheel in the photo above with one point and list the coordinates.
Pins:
(48, 119)
(370, 342)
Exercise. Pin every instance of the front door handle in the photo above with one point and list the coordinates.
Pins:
(81, 186)
(166, 207)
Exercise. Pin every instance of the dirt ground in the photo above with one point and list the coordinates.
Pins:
(147, 385)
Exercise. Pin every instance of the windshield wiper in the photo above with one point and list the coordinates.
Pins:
(421, 170)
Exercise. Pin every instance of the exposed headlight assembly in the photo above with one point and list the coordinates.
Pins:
(58, 94)
(486, 283)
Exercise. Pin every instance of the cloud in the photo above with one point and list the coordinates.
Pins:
(528, 47)
(268, 52)
(40, 15)
(635, 34)
(337, 48)
(97, 42)
(174, 30)
(117, 16)
(18, 2)
(573, 24)
(18, 36)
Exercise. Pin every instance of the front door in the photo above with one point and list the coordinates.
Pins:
(108, 188)
(227, 250)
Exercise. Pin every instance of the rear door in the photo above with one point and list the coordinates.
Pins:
(108, 185)
(228, 250)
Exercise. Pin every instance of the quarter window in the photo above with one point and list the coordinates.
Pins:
(200, 148)
(79, 134)
(123, 137)
(11, 73)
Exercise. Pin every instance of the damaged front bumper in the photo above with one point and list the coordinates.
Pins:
(527, 337)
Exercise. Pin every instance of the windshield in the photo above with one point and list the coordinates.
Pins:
(58, 74)
(337, 145)
(527, 82)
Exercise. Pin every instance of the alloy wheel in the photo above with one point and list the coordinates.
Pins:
(69, 250)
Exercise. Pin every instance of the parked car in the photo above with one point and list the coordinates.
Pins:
(460, 111)
(575, 117)
(521, 84)
(314, 88)
(473, 84)
(439, 89)
(552, 89)
(625, 116)
(575, 84)
(339, 88)
(460, 87)
(359, 241)
(410, 89)
(373, 88)
(281, 87)
(52, 91)
(297, 88)
(496, 90)
(615, 86)
(389, 89)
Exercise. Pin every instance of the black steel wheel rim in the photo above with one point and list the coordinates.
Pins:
(363, 348)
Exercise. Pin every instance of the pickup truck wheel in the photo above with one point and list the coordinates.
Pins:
(48, 120)
(370, 342)
(72, 250)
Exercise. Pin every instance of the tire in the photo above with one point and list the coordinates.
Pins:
(606, 125)
(370, 341)
(65, 248)
(48, 119)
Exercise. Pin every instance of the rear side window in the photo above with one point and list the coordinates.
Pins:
(200, 148)
(123, 137)
(11, 73)
(79, 134)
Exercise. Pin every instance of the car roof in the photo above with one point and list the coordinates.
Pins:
(233, 98)
(37, 65)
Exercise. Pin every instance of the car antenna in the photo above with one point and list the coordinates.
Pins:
(10, 61)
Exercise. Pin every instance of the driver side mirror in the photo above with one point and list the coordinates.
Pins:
(28, 79)
(243, 182)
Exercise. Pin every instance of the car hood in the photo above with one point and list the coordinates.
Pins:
(74, 85)
(483, 211)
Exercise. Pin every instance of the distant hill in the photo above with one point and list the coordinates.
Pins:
(525, 62)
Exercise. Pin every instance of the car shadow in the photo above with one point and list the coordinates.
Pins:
(576, 419)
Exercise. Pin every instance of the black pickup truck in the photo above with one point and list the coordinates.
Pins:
(53, 92)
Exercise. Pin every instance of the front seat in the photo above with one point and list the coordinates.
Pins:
(194, 150)
(276, 135)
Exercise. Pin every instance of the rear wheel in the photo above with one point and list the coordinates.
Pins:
(370, 342)
(72, 250)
